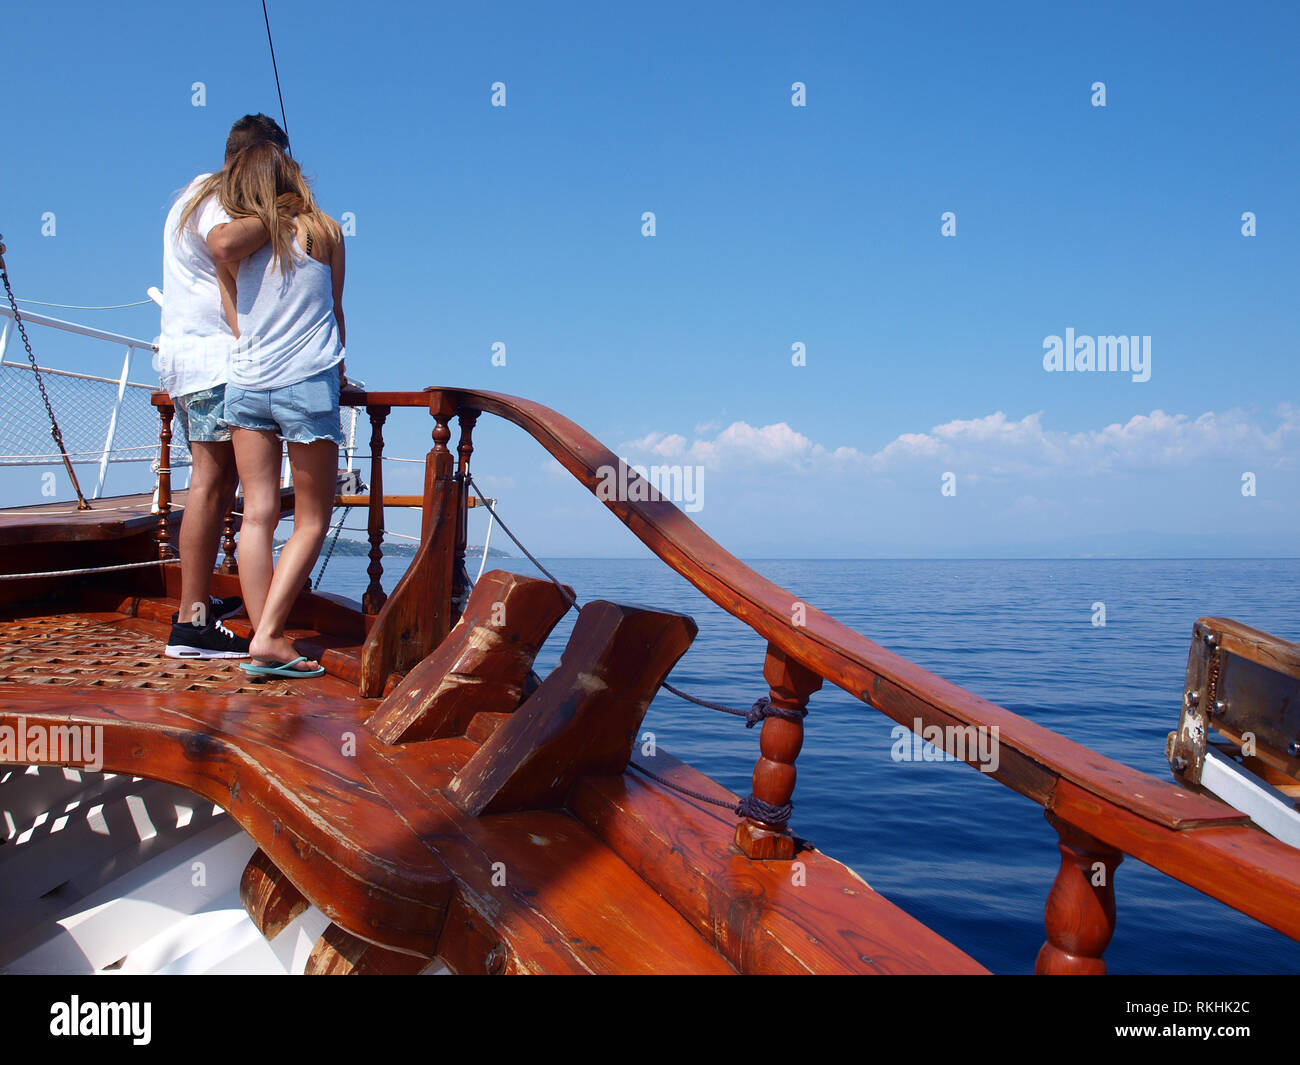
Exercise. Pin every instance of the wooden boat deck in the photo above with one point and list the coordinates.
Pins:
(109, 519)
(368, 832)
(107, 650)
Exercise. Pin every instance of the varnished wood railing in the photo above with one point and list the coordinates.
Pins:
(1100, 808)
(166, 412)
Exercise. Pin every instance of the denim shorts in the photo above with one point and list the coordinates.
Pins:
(201, 415)
(301, 413)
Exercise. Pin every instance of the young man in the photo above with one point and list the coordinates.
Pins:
(193, 351)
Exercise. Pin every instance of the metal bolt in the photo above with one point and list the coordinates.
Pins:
(1211, 640)
(1192, 698)
(1294, 748)
(495, 962)
(1179, 763)
(1220, 707)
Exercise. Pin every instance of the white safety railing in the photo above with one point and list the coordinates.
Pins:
(127, 420)
(130, 420)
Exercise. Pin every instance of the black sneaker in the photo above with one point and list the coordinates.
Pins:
(222, 609)
(218, 609)
(214, 641)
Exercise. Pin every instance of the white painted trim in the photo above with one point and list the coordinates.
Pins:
(72, 327)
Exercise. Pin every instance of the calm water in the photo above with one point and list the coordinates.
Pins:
(960, 852)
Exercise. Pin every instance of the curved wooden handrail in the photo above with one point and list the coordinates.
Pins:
(1195, 839)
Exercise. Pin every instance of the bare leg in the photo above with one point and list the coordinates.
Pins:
(315, 476)
(258, 454)
(212, 483)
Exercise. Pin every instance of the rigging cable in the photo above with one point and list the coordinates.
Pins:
(84, 307)
(284, 122)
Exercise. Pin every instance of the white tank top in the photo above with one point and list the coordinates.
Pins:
(287, 328)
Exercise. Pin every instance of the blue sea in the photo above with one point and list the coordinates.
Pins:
(960, 852)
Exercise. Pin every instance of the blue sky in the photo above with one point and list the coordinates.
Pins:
(775, 225)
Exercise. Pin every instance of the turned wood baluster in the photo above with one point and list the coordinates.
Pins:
(441, 500)
(774, 774)
(166, 413)
(228, 563)
(417, 616)
(460, 577)
(439, 463)
(375, 595)
(1080, 912)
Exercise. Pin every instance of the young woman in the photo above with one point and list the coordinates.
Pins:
(286, 369)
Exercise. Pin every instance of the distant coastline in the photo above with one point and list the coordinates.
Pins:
(349, 548)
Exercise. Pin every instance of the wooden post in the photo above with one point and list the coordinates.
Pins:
(417, 616)
(166, 413)
(460, 577)
(269, 897)
(374, 596)
(339, 953)
(584, 719)
(481, 668)
(1080, 913)
(774, 775)
(228, 563)
(439, 529)
(438, 463)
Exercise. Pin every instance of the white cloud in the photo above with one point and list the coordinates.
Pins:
(994, 445)
(553, 471)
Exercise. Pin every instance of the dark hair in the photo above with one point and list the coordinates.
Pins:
(255, 129)
(251, 131)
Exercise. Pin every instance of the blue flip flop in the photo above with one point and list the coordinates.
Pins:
(282, 669)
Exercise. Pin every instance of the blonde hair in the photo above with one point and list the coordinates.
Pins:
(263, 182)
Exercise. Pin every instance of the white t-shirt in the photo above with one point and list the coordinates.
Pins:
(287, 328)
(194, 345)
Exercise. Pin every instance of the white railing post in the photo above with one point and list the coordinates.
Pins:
(351, 449)
(112, 421)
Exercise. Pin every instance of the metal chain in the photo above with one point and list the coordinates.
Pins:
(40, 382)
(337, 529)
